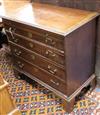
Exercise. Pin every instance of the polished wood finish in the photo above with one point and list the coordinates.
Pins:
(60, 20)
(69, 105)
(6, 104)
(40, 74)
(90, 5)
(48, 38)
(80, 51)
(42, 49)
(54, 46)
(39, 61)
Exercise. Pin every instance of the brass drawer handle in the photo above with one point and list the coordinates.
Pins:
(31, 45)
(21, 65)
(33, 57)
(30, 35)
(49, 52)
(11, 31)
(56, 83)
(19, 62)
(15, 40)
(49, 40)
(18, 53)
(53, 71)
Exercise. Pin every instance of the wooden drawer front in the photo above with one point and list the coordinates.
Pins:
(38, 48)
(39, 61)
(31, 45)
(41, 36)
(53, 55)
(40, 74)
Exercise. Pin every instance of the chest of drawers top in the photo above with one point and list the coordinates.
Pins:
(55, 19)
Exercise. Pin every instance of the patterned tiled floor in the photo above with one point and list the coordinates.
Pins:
(37, 100)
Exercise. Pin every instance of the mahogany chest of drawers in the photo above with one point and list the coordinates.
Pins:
(54, 46)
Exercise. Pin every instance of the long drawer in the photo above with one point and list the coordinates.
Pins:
(38, 60)
(51, 39)
(40, 74)
(34, 46)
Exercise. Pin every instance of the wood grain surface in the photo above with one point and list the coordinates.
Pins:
(7, 106)
(53, 18)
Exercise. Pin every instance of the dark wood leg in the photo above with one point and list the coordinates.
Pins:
(90, 87)
(69, 106)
